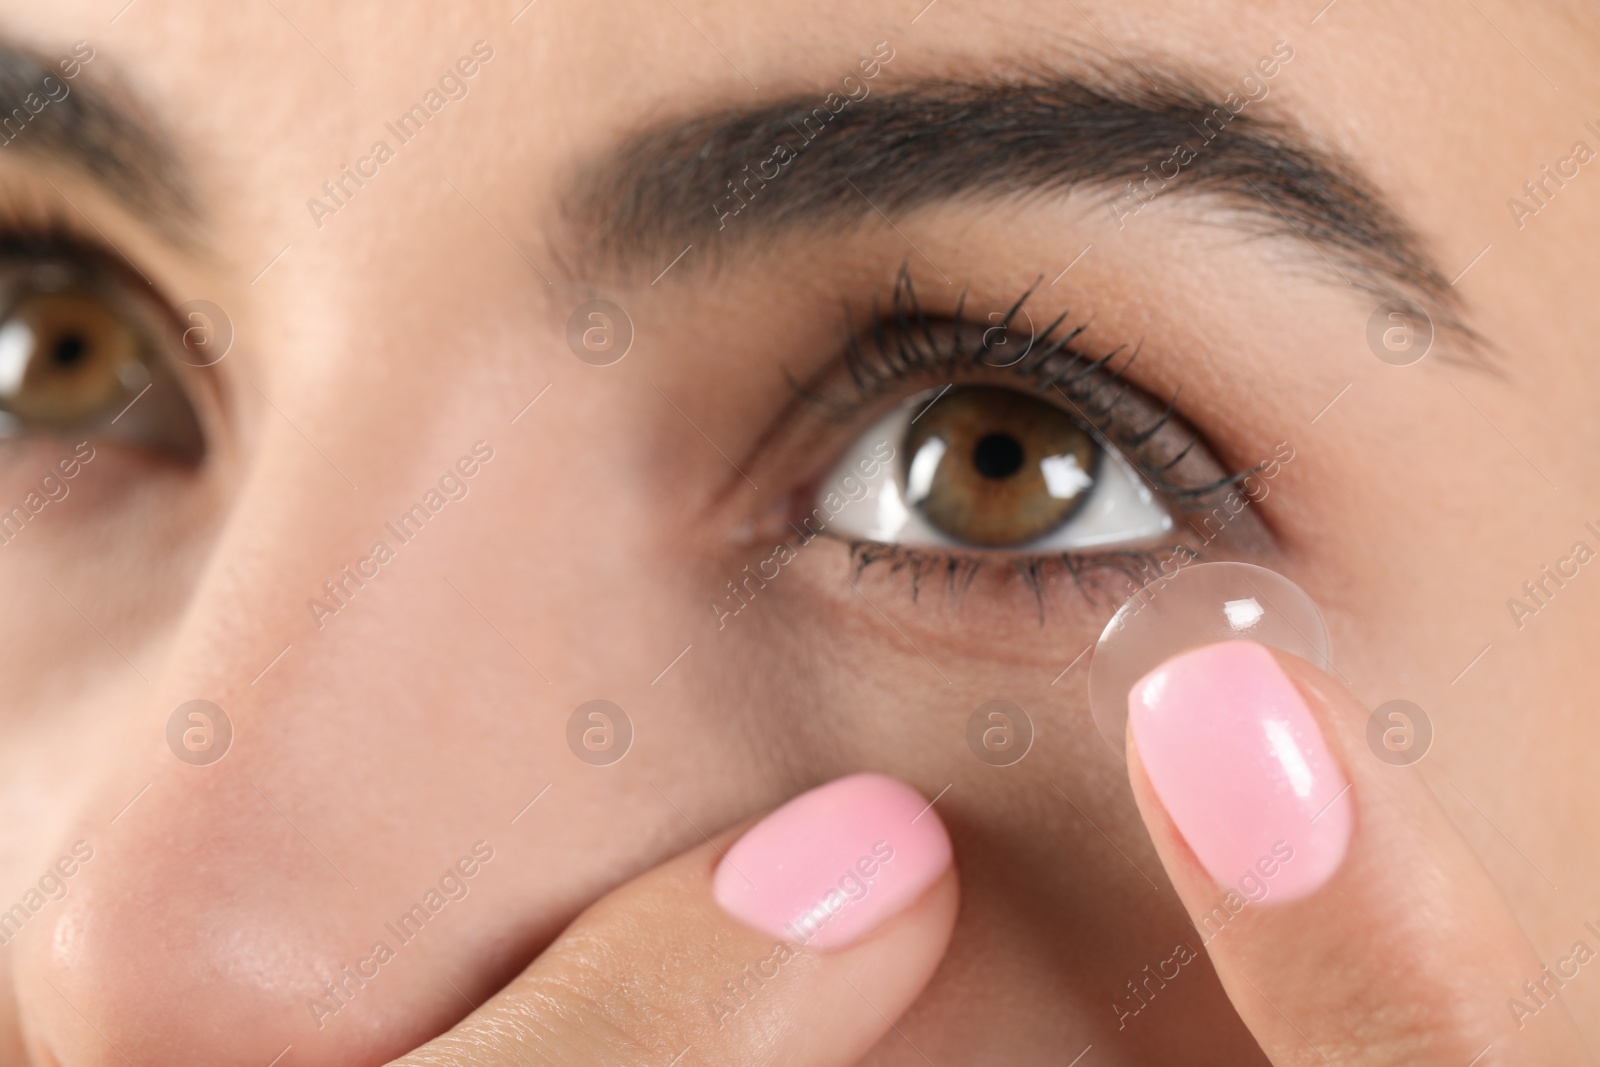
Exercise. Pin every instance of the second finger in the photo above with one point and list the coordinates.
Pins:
(799, 944)
(1344, 913)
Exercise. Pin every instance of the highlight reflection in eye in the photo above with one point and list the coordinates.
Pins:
(995, 468)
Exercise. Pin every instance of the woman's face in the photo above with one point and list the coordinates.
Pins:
(420, 513)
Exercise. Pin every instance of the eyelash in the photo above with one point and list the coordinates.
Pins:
(899, 347)
(50, 235)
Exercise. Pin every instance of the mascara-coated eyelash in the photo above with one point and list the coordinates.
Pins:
(903, 345)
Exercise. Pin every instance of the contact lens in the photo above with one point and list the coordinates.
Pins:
(1199, 604)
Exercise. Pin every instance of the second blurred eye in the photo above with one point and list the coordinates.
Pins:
(64, 357)
(996, 467)
(81, 352)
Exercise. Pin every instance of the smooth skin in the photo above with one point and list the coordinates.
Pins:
(372, 752)
(1403, 956)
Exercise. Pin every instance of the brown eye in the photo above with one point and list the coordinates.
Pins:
(65, 358)
(83, 352)
(997, 467)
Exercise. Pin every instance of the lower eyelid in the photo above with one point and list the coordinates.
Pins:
(1017, 583)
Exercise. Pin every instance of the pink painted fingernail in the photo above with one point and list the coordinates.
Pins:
(834, 863)
(1237, 759)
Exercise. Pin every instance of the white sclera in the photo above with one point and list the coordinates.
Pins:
(1199, 605)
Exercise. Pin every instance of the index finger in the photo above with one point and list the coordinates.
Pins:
(799, 944)
(1348, 920)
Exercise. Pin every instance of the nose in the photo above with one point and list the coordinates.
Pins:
(332, 886)
(207, 935)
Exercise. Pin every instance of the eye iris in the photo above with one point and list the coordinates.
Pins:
(997, 467)
(65, 357)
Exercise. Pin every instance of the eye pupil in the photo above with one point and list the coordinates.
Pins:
(70, 350)
(997, 456)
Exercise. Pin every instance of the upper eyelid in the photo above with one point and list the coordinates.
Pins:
(885, 355)
(24, 246)
(54, 236)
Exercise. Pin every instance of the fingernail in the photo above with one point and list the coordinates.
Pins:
(1238, 760)
(832, 864)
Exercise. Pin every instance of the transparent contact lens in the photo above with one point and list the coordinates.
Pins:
(1199, 605)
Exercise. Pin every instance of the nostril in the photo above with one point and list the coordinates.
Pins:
(50, 887)
(179, 944)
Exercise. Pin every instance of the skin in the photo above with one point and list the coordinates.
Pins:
(427, 714)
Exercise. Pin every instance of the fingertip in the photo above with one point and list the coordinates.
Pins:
(1236, 757)
(834, 863)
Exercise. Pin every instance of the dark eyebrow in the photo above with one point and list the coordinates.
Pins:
(92, 125)
(936, 140)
